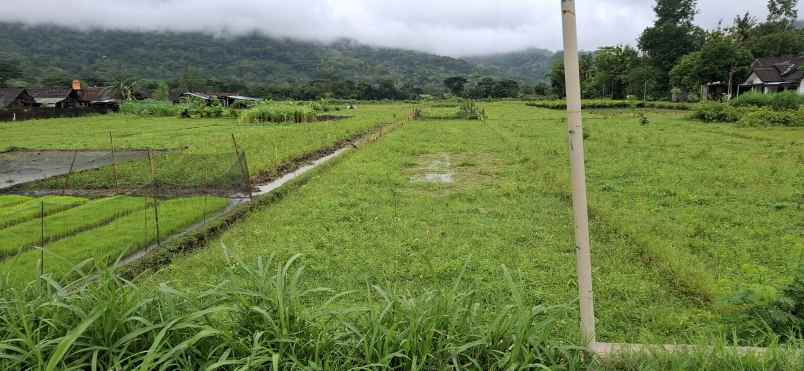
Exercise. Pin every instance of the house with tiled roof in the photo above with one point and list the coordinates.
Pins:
(776, 74)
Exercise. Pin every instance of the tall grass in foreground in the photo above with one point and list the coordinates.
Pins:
(261, 318)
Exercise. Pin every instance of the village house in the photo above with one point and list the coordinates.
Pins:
(59, 98)
(11, 98)
(99, 97)
(776, 74)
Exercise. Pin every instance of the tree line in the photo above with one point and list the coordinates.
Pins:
(674, 57)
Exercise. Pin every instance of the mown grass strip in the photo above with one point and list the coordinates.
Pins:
(17, 238)
(11, 200)
(33, 208)
(105, 244)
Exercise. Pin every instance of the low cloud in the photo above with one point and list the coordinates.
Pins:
(447, 27)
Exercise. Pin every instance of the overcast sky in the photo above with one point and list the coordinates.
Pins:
(447, 27)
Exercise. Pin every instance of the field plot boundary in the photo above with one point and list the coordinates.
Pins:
(200, 234)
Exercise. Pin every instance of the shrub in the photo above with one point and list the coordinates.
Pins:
(716, 112)
(151, 108)
(200, 109)
(788, 100)
(468, 110)
(758, 308)
(280, 112)
(768, 117)
(608, 103)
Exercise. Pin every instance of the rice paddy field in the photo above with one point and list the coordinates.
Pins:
(445, 244)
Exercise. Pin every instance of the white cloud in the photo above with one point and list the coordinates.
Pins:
(450, 27)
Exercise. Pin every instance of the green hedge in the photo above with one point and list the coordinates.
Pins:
(608, 103)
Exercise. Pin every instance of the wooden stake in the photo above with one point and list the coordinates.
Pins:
(114, 164)
(153, 196)
(42, 242)
(67, 178)
(579, 202)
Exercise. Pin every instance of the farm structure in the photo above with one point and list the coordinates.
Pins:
(11, 98)
(59, 98)
(776, 74)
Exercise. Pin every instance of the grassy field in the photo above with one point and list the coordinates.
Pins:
(62, 225)
(684, 215)
(200, 144)
(447, 244)
(94, 234)
(32, 208)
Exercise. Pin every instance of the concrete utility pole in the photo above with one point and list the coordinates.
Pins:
(583, 257)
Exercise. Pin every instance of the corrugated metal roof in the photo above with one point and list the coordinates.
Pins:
(9, 95)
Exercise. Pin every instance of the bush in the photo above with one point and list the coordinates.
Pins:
(788, 100)
(280, 112)
(468, 110)
(151, 108)
(608, 103)
(758, 308)
(200, 109)
(768, 117)
(716, 112)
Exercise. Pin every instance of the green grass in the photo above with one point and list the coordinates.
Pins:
(87, 216)
(207, 143)
(103, 245)
(10, 200)
(474, 274)
(684, 215)
(30, 209)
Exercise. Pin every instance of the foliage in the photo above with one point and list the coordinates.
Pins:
(455, 85)
(768, 117)
(250, 64)
(263, 319)
(716, 112)
(151, 108)
(9, 69)
(279, 113)
(612, 68)
(788, 100)
(466, 110)
(608, 103)
(198, 109)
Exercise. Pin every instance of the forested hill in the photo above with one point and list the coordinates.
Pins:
(50, 54)
(530, 65)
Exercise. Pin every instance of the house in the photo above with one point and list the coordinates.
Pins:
(11, 98)
(775, 74)
(55, 97)
(101, 97)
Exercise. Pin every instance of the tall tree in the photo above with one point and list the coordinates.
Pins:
(612, 66)
(672, 36)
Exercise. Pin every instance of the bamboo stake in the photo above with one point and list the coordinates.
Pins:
(67, 178)
(579, 202)
(153, 196)
(42, 243)
(114, 164)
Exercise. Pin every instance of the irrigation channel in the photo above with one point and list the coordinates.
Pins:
(295, 171)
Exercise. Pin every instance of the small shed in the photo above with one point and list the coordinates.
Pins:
(11, 98)
(55, 97)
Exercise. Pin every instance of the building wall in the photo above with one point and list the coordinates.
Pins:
(801, 88)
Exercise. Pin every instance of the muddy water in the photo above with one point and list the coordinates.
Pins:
(20, 167)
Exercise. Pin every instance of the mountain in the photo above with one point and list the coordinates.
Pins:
(53, 53)
(529, 65)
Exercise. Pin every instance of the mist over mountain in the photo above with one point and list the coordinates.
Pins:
(49, 54)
